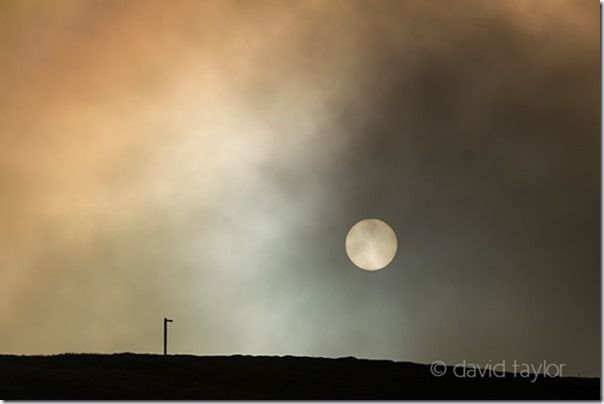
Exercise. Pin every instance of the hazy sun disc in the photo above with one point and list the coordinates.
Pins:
(371, 244)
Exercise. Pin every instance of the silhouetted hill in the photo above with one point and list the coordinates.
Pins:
(134, 376)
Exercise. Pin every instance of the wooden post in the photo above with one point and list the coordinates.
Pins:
(166, 321)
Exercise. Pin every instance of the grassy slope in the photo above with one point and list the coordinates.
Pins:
(134, 376)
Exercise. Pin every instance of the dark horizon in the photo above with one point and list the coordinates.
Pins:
(159, 377)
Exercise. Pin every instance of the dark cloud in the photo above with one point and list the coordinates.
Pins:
(481, 147)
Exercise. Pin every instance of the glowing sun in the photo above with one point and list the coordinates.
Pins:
(371, 244)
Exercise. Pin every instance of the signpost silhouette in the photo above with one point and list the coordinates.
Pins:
(166, 321)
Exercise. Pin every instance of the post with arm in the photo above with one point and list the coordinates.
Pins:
(166, 321)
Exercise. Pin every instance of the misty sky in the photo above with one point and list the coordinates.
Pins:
(204, 160)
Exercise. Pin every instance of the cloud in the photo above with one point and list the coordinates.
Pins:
(204, 161)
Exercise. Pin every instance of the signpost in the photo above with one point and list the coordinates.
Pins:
(166, 321)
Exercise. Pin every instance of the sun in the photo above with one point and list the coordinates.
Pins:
(371, 244)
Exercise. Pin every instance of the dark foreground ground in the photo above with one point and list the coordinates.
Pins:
(133, 376)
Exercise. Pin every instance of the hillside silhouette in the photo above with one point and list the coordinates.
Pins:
(145, 377)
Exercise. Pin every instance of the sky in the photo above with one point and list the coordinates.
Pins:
(204, 161)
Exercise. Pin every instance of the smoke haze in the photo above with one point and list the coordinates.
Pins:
(204, 160)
